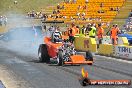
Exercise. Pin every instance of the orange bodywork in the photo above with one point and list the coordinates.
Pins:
(78, 59)
(52, 48)
(65, 37)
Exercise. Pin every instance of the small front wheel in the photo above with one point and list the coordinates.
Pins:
(60, 61)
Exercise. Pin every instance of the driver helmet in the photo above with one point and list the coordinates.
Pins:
(56, 36)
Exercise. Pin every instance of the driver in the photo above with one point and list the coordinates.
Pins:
(56, 36)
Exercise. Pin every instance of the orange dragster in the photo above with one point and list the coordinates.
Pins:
(57, 48)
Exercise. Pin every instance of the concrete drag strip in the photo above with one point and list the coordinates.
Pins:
(41, 75)
(11, 80)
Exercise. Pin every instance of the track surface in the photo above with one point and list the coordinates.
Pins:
(18, 54)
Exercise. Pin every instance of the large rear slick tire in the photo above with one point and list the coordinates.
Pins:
(43, 53)
(60, 61)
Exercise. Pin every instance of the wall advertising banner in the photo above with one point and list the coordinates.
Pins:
(122, 51)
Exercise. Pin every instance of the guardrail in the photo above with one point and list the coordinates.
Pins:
(122, 50)
(83, 43)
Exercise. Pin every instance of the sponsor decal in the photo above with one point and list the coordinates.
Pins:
(124, 49)
(86, 43)
(121, 51)
(110, 82)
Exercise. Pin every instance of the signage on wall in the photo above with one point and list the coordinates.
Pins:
(123, 52)
(86, 43)
(125, 49)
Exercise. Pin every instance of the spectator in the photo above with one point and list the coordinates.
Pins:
(60, 16)
(79, 18)
(58, 6)
(82, 29)
(15, 2)
(99, 19)
(88, 28)
(84, 7)
(45, 17)
(79, 7)
(62, 7)
(116, 26)
(28, 14)
(111, 9)
(66, 1)
(77, 29)
(117, 9)
(54, 11)
(114, 34)
(83, 14)
(83, 18)
(64, 17)
(57, 16)
(101, 4)
(58, 11)
(74, 1)
(108, 24)
(1, 20)
(86, 1)
(92, 32)
(100, 34)
(44, 26)
(71, 18)
(71, 33)
(33, 14)
(5, 20)
(70, 1)
(40, 15)
(35, 31)
(78, 14)
(101, 11)
(130, 14)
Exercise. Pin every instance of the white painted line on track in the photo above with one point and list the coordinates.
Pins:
(112, 58)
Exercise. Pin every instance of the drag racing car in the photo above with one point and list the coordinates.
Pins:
(59, 49)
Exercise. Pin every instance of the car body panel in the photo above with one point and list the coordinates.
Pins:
(52, 47)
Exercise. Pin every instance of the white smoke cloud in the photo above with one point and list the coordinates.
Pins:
(21, 38)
